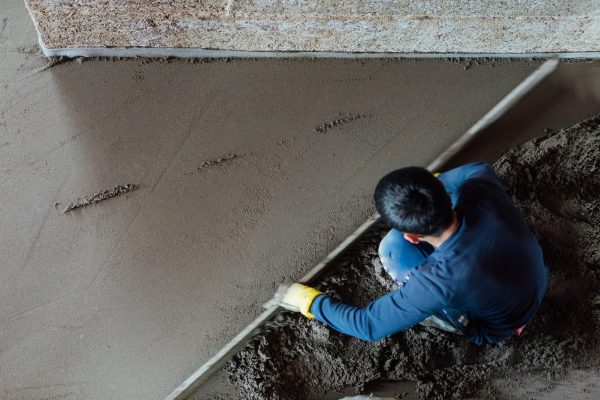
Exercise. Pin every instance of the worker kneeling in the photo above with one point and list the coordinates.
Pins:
(462, 253)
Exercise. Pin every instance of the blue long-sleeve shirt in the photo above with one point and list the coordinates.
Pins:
(490, 268)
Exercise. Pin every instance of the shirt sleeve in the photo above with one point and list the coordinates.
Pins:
(454, 178)
(383, 317)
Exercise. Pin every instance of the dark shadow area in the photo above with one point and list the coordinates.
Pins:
(569, 95)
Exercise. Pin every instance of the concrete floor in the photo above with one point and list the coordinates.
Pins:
(124, 299)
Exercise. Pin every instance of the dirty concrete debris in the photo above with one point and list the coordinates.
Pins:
(218, 161)
(555, 181)
(100, 196)
(171, 60)
(138, 76)
(4, 23)
(325, 126)
(34, 49)
(53, 62)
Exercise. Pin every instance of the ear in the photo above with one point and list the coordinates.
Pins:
(413, 238)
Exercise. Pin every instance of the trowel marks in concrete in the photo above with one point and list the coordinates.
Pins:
(555, 180)
(100, 196)
(218, 161)
(343, 119)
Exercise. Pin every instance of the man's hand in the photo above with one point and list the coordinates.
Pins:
(298, 297)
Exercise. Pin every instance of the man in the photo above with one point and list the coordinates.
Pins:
(461, 252)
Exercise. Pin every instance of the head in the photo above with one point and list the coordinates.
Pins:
(415, 202)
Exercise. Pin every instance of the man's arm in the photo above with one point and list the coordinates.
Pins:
(383, 317)
(454, 178)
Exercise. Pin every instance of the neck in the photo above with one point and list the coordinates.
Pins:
(436, 241)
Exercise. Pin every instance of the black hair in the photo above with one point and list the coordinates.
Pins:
(412, 200)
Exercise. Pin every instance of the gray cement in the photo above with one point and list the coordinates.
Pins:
(125, 299)
(554, 181)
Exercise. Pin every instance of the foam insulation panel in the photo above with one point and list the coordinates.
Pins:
(192, 27)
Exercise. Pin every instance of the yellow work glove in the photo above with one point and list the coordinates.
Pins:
(299, 297)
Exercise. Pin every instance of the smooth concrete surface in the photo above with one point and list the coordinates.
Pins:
(126, 298)
(366, 26)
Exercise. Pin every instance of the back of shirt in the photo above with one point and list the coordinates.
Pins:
(490, 269)
(496, 264)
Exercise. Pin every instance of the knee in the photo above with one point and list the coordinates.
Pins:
(398, 256)
(388, 248)
(390, 254)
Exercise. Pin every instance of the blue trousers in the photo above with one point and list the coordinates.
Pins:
(398, 256)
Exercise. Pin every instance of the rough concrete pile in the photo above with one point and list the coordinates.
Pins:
(555, 180)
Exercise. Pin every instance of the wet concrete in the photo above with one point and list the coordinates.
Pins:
(554, 181)
(125, 299)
